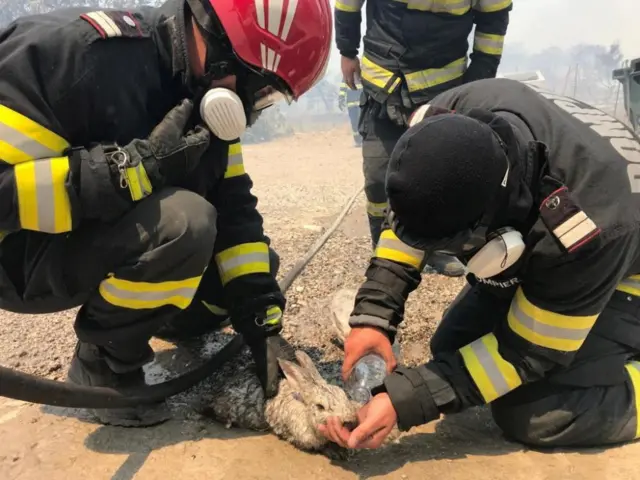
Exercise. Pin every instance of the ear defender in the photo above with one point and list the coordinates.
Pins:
(499, 254)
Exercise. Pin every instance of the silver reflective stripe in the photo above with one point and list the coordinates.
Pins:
(398, 246)
(432, 77)
(235, 159)
(491, 44)
(631, 283)
(25, 144)
(257, 257)
(545, 329)
(187, 292)
(46, 202)
(490, 367)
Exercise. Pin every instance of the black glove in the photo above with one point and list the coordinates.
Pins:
(169, 154)
(261, 333)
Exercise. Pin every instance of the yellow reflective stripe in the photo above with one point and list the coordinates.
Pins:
(633, 369)
(548, 329)
(145, 295)
(244, 259)
(378, 76)
(235, 167)
(353, 104)
(349, 5)
(630, 285)
(138, 181)
(376, 209)
(274, 315)
(491, 373)
(488, 43)
(390, 247)
(43, 202)
(22, 139)
(216, 310)
(453, 7)
(432, 77)
(487, 6)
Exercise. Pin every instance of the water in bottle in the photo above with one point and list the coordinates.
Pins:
(368, 373)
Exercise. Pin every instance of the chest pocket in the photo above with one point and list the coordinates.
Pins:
(452, 7)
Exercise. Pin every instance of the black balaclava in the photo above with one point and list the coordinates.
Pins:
(443, 173)
(446, 172)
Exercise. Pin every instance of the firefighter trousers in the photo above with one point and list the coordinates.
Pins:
(354, 118)
(129, 277)
(593, 402)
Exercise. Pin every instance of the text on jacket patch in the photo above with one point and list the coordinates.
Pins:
(621, 138)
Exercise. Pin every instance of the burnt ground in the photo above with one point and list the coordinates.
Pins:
(302, 183)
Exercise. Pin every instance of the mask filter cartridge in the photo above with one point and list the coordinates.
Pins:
(223, 112)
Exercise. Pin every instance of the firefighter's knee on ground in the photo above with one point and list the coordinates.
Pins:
(525, 424)
(187, 223)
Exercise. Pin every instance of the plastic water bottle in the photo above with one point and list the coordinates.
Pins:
(368, 373)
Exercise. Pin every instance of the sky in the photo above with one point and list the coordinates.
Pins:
(539, 24)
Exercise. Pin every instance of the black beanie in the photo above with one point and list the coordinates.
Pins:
(442, 174)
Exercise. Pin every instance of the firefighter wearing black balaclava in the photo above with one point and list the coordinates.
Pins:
(539, 195)
(412, 51)
(122, 177)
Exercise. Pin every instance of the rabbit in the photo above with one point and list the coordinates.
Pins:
(304, 401)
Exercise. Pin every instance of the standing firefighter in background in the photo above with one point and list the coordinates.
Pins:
(413, 50)
(539, 195)
(351, 100)
(118, 199)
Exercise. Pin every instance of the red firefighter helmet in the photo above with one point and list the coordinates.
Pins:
(290, 38)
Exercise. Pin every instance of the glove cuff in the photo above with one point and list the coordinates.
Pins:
(260, 317)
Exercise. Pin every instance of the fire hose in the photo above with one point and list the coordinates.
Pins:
(34, 389)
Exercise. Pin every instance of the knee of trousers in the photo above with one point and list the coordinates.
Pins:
(186, 229)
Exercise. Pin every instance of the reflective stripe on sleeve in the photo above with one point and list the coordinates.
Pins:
(22, 139)
(390, 247)
(630, 285)
(487, 6)
(138, 182)
(274, 316)
(376, 209)
(547, 329)
(244, 259)
(144, 295)
(349, 5)
(488, 43)
(433, 77)
(235, 167)
(633, 370)
(491, 373)
(378, 76)
(43, 201)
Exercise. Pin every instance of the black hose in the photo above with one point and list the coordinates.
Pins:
(34, 389)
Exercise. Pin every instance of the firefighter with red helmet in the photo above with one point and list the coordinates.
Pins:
(122, 178)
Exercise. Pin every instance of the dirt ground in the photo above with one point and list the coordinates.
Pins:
(302, 183)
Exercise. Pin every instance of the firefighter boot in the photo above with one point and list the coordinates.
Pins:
(444, 265)
(91, 367)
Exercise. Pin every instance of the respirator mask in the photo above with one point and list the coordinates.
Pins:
(487, 252)
(228, 114)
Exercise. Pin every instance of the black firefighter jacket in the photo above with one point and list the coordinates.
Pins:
(578, 208)
(79, 79)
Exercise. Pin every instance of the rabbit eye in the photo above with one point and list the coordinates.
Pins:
(320, 407)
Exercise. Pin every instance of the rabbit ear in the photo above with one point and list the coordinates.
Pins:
(296, 376)
(307, 364)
